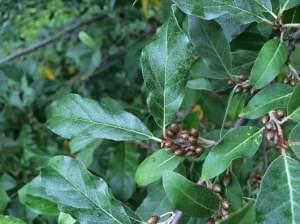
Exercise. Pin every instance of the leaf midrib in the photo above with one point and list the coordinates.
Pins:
(191, 198)
(103, 124)
(93, 202)
(244, 142)
(270, 62)
(290, 187)
(263, 105)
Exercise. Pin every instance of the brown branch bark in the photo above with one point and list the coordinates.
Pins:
(51, 39)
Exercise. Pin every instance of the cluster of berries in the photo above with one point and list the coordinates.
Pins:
(242, 85)
(272, 124)
(182, 142)
(291, 80)
(224, 205)
(255, 179)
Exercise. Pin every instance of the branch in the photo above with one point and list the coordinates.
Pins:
(51, 39)
(177, 217)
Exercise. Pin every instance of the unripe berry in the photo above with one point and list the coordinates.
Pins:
(216, 188)
(243, 78)
(194, 132)
(169, 134)
(226, 180)
(168, 144)
(225, 204)
(153, 220)
(286, 80)
(184, 136)
(224, 212)
(292, 82)
(179, 152)
(193, 140)
(238, 89)
(265, 119)
(230, 82)
(280, 113)
(270, 135)
(211, 221)
(199, 150)
(269, 126)
(175, 128)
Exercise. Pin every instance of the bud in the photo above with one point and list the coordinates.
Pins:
(193, 140)
(225, 204)
(226, 180)
(264, 119)
(179, 152)
(246, 89)
(292, 82)
(280, 113)
(174, 128)
(286, 80)
(243, 78)
(199, 150)
(216, 188)
(169, 134)
(270, 135)
(252, 90)
(194, 132)
(190, 148)
(184, 136)
(269, 125)
(153, 220)
(230, 82)
(238, 89)
(168, 144)
(211, 221)
(224, 212)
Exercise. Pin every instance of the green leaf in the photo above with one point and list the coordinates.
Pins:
(234, 193)
(10, 220)
(81, 194)
(192, 199)
(244, 10)
(236, 106)
(269, 62)
(207, 84)
(155, 203)
(80, 143)
(294, 140)
(87, 40)
(153, 167)
(201, 70)
(240, 142)
(288, 4)
(165, 62)
(121, 171)
(293, 106)
(76, 116)
(7, 182)
(4, 199)
(245, 215)
(279, 196)
(33, 195)
(295, 57)
(242, 61)
(209, 40)
(65, 218)
(273, 97)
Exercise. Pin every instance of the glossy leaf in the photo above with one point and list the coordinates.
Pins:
(241, 142)
(288, 4)
(81, 143)
(121, 171)
(207, 84)
(65, 218)
(242, 61)
(201, 70)
(153, 167)
(4, 199)
(293, 107)
(156, 202)
(234, 193)
(80, 194)
(209, 40)
(294, 140)
(270, 60)
(10, 220)
(279, 196)
(245, 215)
(165, 62)
(34, 196)
(76, 116)
(273, 97)
(192, 199)
(245, 11)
